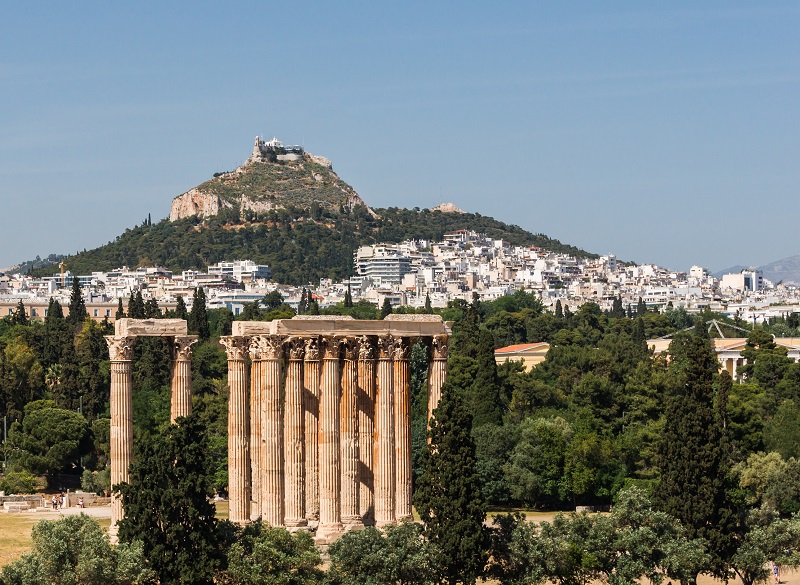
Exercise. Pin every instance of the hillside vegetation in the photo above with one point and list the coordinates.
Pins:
(300, 245)
(282, 184)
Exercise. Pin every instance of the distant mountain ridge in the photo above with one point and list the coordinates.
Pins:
(786, 270)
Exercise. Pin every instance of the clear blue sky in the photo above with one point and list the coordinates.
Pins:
(661, 132)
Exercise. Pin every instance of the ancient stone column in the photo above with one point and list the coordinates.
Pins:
(181, 381)
(437, 374)
(311, 409)
(256, 379)
(384, 435)
(272, 504)
(351, 515)
(294, 436)
(120, 351)
(366, 429)
(330, 519)
(402, 429)
(238, 430)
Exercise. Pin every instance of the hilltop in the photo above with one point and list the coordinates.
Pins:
(274, 177)
(288, 209)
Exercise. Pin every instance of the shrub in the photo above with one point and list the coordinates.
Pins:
(19, 482)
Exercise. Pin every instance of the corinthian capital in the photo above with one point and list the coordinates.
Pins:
(235, 347)
(332, 346)
(400, 348)
(182, 347)
(312, 349)
(366, 349)
(295, 348)
(350, 348)
(385, 347)
(440, 344)
(120, 349)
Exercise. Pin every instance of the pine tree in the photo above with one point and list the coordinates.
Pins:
(77, 308)
(693, 453)
(198, 316)
(120, 314)
(448, 494)
(168, 505)
(180, 309)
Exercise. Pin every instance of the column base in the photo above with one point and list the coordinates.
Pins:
(402, 517)
(113, 533)
(351, 522)
(327, 533)
(382, 523)
(292, 524)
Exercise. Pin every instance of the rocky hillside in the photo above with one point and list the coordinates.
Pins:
(259, 186)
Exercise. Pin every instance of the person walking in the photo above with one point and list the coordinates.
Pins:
(776, 571)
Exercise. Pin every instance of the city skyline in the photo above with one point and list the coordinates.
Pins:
(663, 135)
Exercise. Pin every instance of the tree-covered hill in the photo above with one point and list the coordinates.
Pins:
(300, 245)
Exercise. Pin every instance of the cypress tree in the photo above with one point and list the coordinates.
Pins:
(484, 396)
(19, 317)
(151, 309)
(77, 308)
(428, 307)
(448, 493)
(180, 309)
(136, 308)
(559, 310)
(198, 316)
(168, 504)
(693, 452)
(641, 308)
(120, 311)
(386, 308)
(616, 308)
(348, 297)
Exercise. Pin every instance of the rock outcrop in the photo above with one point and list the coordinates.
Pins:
(194, 202)
(300, 180)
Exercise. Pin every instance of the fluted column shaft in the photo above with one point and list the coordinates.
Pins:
(366, 429)
(437, 375)
(330, 519)
(294, 436)
(384, 435)
(256, 472)
(349, 435)
(272, 504)
(402, 430)
(238, 430)
(311, 377)
(121, 353)
(181, 379)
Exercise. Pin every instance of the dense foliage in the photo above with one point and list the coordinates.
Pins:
(298, 247)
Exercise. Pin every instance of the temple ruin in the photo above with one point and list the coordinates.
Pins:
(319, 432)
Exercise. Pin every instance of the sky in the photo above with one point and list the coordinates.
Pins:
(664, 133)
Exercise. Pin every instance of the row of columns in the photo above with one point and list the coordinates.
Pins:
(319, 427)
(121, 435)
(327, 441)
